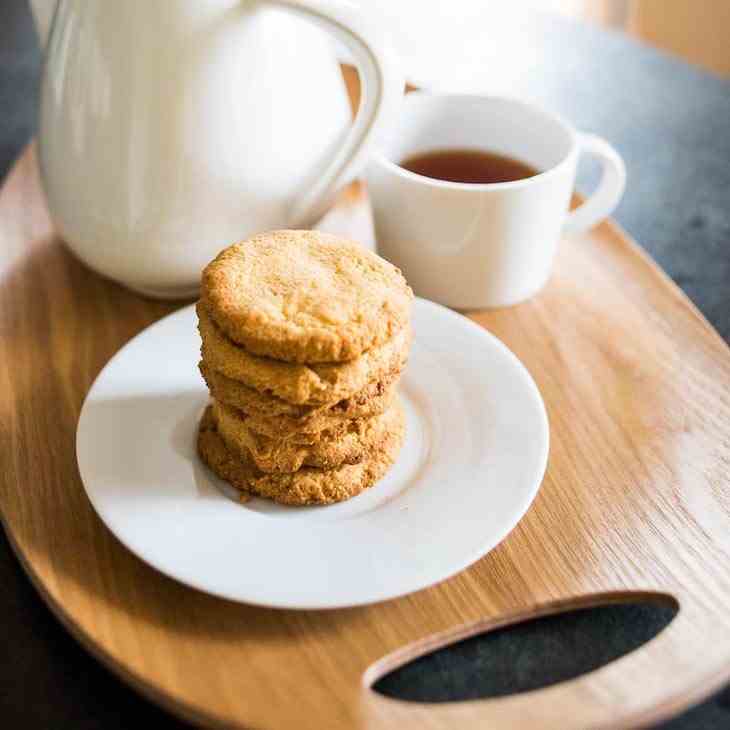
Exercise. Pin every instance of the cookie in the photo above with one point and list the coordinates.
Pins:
(277, 418)
(348, 443)
(282, 427)
(309, 485)
(305, 296)
(298, 383)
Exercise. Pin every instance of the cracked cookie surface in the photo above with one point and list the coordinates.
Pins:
(308, 485)
(278, 418)
(349, 442)
(305, 296)
(298, 383)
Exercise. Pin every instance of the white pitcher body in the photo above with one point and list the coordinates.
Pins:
(171, 128)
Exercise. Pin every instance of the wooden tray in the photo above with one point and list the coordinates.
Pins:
(635, 500)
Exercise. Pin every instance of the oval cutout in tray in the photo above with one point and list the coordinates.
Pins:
(525, 655)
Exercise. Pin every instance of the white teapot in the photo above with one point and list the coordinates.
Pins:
(171, 128)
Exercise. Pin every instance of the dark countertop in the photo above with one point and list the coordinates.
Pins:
(670, 122)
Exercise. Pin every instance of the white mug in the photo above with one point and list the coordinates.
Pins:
(171, 128)
(471, 245)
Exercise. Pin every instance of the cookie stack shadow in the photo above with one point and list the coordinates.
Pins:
(304, 339)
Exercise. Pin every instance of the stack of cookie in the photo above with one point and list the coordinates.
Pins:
(305, 336)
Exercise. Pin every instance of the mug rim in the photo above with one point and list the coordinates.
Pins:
(382, 159)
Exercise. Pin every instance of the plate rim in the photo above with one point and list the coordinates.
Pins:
(520, 509)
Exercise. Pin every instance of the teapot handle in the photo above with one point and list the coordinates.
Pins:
(381, 84)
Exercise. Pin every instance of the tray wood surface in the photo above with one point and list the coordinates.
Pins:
(635, 504)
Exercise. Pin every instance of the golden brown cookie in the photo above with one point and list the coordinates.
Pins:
(299, 383)
(309, 485)
(348, 443)
(277, 418)
(305, 296)
(282, 427)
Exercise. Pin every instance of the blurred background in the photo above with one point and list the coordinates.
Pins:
(697, 30)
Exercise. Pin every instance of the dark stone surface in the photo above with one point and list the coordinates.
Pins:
(20, 65)
(670, 122)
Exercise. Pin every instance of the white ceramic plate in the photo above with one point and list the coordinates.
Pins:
(473, 460)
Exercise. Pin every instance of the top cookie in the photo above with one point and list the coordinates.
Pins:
(305, 296)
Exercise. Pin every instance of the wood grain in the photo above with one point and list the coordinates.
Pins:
(635, 499)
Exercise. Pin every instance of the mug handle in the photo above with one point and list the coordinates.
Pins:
(381, 84)
(610, 188)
